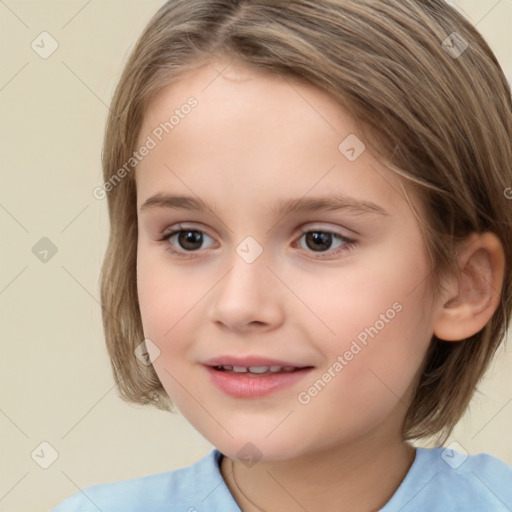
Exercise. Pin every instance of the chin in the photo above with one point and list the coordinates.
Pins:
(252, 448)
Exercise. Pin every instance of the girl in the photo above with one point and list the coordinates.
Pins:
(310, 252)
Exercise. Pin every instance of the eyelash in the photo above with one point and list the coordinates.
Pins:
(349, 243)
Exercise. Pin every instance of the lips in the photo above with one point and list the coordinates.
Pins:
(252, 377)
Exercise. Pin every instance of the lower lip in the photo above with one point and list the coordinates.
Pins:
(244, 386)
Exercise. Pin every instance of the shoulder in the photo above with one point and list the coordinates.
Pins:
(444, 479)
(181, 489)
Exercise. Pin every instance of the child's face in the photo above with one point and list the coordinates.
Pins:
(360, 314)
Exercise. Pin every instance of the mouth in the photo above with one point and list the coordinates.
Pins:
(254, 377)
(257, 371)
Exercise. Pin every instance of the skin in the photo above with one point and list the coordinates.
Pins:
(255, 139)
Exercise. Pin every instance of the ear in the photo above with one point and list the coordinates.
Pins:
(470, 299)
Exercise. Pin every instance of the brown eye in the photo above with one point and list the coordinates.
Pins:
(326, 243)
(319, 240)
(183, 241)
(190, 240)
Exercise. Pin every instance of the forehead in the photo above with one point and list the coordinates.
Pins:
(257, 132)
(235, 92)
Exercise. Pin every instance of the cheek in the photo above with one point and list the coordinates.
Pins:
(165, 292)
(379, 323)
(161, 308)
(370, 366)
(167, 301)
(172, 301)
(384, 290)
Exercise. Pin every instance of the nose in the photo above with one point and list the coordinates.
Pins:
(248, 297)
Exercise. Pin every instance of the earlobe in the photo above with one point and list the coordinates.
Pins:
(472, 297)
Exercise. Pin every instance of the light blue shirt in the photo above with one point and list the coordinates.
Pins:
(439, 480)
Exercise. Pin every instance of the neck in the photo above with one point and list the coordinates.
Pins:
(331, 480)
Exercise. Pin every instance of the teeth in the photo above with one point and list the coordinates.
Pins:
(257, 369)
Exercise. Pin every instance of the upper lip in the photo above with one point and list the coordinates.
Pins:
(250, 361)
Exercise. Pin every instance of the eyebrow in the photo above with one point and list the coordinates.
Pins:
(284, 207)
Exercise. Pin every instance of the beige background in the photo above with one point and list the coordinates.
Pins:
(57, 385)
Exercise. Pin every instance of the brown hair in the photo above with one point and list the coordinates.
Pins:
(439, 116)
